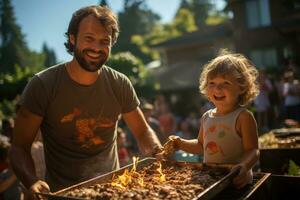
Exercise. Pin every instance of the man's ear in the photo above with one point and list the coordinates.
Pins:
(72, 39)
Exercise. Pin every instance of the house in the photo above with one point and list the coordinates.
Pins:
(182, 61)
(266, 31)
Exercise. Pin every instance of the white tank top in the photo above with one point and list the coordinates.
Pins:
(221, 143)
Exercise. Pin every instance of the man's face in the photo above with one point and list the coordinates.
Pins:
(92, 44)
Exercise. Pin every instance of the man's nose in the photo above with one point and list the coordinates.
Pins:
(96, 46)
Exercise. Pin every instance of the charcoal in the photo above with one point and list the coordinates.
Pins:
(181, 182)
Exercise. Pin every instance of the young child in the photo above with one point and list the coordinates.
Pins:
(228, 132)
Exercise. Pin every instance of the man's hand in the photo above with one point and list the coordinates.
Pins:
(39, 186)
(241, 179)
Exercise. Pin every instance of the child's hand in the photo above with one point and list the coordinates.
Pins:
(169, 147)
(241, 179)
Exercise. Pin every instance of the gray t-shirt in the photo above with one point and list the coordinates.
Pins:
(79, 122)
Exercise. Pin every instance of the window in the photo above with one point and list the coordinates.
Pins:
(264, 58)
(258, 13)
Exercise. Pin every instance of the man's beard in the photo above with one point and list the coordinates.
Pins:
(89, 66)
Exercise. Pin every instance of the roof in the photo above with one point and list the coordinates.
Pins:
(180, 76)
(204, 35)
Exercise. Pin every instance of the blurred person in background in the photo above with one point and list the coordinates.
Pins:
(122, 148)
(10, 188)
(167, 122)
(148, 109)
(262, 102)
(291, 94)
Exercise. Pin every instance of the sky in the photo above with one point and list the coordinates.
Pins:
(47, 20)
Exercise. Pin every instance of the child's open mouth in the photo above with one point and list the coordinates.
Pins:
(219, 98)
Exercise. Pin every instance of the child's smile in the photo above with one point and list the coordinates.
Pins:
(219, 98)
(224, 91)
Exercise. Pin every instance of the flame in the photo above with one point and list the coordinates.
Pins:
(124, 180)
(135, 161)
(141, 181)
(162, 177)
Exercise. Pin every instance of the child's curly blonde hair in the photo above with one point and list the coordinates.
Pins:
(236, 64)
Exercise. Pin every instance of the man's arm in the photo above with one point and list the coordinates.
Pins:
(26, 127)
(145, 136)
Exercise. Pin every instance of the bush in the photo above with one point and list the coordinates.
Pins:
(12, 84)
(134, 69)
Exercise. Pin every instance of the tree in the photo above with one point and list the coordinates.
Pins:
(184, 21)
(13, 49)
(135, 19)
(184, 4)
(133, 67)
(103, 3)
(199, 8)
(50, 57)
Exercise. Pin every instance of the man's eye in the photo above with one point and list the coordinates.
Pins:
(105, 42)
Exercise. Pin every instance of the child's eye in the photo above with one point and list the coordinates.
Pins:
(88, 38)
(227, 83)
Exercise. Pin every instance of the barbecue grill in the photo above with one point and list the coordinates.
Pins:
(208, 192)
(278, 147)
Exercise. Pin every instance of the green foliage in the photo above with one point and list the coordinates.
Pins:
(184, 21)
(216, 18)
(13, 83)
(136, 19)
(49, 56)
(133, 68)
(294, 169)
(8, 108)
(199, 8)
(204, 12)
(103, 3)
(13, 48)
(128, 64)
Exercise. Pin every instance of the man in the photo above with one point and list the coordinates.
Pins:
(76, 105)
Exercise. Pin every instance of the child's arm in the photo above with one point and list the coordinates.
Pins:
(194, 146)
(247, 128)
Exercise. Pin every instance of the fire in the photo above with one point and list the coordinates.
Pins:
(135, 161)
(141, 181)
(124, 180)
(162, 177)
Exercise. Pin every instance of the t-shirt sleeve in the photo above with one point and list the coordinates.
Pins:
(34, 97)
(129, 98)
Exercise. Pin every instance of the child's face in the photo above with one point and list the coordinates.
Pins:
(224, 91)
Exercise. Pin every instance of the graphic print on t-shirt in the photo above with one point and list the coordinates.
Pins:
(85, 127)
